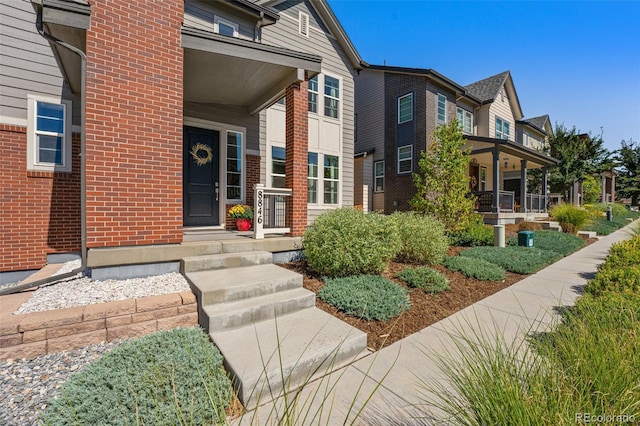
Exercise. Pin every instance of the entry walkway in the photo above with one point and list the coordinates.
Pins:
(403, 368)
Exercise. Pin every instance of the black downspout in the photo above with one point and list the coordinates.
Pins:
(83, 213)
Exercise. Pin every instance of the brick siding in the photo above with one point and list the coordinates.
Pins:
(134, 123)
(40, 210)
(297, 156)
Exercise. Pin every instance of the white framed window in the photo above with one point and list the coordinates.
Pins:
(313, 94)
(278, 166)
(331, 181)
(331, 96)
(525, 139)
(234, 166)
(405, 159)
(312, 186)
(405, 108)
(303, 24)
(465, 118)
(225, 27)
(48, 134)
(378, 176)
(483, 179)
(441, 109)
(502, 129)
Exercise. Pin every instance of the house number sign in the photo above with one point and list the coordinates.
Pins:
(259, 204)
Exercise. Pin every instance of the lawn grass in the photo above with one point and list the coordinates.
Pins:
(558, 242)
(521, 260)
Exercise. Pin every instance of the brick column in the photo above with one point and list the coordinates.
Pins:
(297, 156)
(134, 123)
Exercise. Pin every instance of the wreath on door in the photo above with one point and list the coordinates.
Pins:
(201, 154)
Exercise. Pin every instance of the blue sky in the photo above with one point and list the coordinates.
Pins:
(578, 61)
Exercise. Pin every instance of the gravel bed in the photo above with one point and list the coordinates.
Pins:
(27, 384)
(85, 291)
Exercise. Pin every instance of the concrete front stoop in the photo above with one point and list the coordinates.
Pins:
(266, 325)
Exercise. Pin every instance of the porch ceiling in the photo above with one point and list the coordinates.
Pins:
(229, 71)
(511, 152)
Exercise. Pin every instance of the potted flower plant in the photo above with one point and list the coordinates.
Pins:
(243, 215)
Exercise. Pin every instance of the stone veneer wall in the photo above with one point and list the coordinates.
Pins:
(29, 335)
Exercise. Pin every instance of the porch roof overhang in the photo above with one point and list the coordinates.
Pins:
(482, 148)
(230, 71)
(66, 20)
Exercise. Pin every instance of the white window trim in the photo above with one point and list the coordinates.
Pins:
(216, 25)
(465, 113)
(243, 160)
(317, 93)
(406, 159)
(303, 24)
(400, 98)
(502, 132)
(270, 173)
(324, 96)
(321, 155)
(316, 178)
(438, 121)
(376, 176)
(32, 154)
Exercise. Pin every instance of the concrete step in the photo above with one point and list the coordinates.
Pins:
(587, 234)
(226, 285)
(225, 316)
(274, 355)
(550, 225)
(224, 260)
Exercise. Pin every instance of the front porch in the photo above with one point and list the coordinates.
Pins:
(501, 183)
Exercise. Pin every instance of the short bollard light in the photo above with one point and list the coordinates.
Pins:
(525, 238)
(498, 236)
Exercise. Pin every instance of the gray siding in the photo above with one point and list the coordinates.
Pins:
(369, 106)
(334, 62)
(227, 115)
(27, 64)
(200, 14)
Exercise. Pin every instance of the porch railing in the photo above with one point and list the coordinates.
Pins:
(506, 201)
(536, 203)
(270, 211)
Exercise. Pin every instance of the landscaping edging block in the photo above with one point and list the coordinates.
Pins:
(39, 333)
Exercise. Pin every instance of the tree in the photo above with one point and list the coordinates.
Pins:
(591, 189)
(628, 179)
(580, 155)
(442, 184)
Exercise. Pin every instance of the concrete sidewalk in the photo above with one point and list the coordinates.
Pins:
(398, 370)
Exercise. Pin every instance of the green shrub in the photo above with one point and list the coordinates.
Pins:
(423, 238)
(620, 272)
(570, 217)
(559, 242)
(616, 208)
(521, 260)
(369, 297)
(475, 268)
(427, 279)
(345, 242)
(602, 226)
(162, 378)
(476, 234)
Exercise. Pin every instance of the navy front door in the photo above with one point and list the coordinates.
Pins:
(201, 177)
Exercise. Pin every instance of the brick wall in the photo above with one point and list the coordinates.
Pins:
(297, 156)
(134, 123)
(40, 210)
(400, 188)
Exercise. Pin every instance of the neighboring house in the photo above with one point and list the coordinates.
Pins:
(175, 120)
(407, 104)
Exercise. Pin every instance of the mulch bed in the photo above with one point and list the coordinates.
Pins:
(425, 309)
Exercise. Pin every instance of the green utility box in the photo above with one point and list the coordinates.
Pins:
(525, 238)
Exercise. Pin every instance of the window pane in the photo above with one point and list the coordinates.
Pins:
(405, 161)
(313, 84)
(331, 87)
(460, 116)
(49, 149)
(405, 109)
(330, 192)
(379, 176)
(312, 191)
(234, 165)
(442, 109)
(331, 107)
(225, 29)
(50, 117)
(313, 102)
(331, 167)
(380, 168)
(313, 164)
(234, 193)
